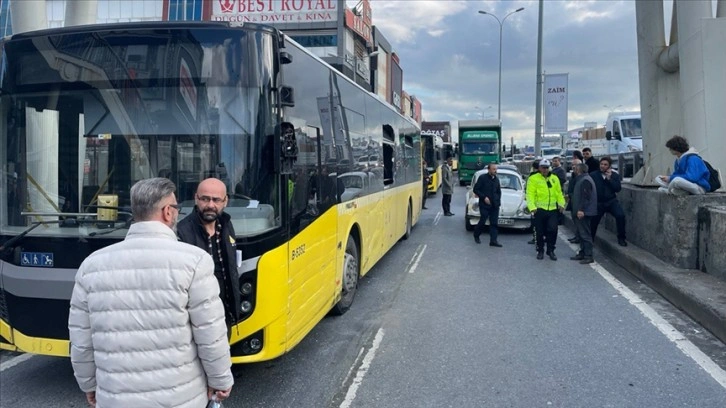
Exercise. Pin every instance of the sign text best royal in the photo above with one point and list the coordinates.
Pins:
(275, 11)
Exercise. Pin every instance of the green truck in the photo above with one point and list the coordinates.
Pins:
(480, 143)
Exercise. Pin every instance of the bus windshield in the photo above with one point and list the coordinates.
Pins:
(88, 115)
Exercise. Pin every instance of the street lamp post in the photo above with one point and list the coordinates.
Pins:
(481, 111)
(368, 65)
(613, 109)
(501, 24)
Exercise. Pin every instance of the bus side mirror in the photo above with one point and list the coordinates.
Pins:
(287, 147)
(285, 57)
(287, 96)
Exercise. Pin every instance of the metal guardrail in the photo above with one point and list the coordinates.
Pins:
(627, 164)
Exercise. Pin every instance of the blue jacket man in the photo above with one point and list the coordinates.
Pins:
(690, 174)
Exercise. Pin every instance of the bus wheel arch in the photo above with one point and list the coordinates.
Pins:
(350, 273)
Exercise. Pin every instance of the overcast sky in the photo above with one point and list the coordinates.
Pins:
(449, 55)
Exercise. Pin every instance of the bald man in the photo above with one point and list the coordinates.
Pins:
(210, 228)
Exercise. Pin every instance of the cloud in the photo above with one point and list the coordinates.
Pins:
(411, 21)
(450, 57)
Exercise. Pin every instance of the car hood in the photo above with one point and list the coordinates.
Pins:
(511, 201)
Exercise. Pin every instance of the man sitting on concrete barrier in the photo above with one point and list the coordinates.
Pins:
(607, 184)
(690, 175)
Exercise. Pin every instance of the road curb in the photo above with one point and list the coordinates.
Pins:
(698, 294)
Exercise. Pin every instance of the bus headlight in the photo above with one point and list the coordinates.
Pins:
(245, 306)
(255, 344)
(246, 288)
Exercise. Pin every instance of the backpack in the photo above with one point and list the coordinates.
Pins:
(714, 179)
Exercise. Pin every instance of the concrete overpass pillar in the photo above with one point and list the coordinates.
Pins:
(28, 15)
(80, 12)
(682, 85)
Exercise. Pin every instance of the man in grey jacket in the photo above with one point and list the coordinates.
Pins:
(584, 207)
(447, 186)
(146, 322)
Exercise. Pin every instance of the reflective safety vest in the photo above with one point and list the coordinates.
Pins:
(544, 193)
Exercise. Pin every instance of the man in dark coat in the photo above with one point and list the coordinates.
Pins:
(584, 204)
(425, 178)
(592, 162)
(607, 184)
(210, 228)
(489, 191)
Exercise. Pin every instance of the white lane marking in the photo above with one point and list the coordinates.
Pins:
(15, 361)
(438, 217)
(353, 389)
(671, 333)
(355, 363)
(420, 251)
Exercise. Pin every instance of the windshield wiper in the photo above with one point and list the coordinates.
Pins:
(12, 241)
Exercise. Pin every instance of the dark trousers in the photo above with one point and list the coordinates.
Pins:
(582, 228)
(573, 213)
(424, 196)
(613, 207)
(488, 213)
(446, 203)
(545, 227)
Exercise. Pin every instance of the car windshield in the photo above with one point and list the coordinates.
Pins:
(509, 181)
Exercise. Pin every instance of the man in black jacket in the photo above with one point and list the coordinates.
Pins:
(489, 191)
(592, 163)
(210, 228)
(607, 184)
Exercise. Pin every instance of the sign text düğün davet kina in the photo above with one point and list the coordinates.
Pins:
(274, 11)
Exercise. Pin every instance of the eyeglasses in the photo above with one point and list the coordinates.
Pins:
(207, 199)
(175, 206)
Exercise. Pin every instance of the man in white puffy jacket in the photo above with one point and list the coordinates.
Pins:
(146, 323)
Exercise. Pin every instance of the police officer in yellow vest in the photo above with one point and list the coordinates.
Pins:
(545, 201)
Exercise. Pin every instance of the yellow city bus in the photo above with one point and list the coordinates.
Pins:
(432, 150)
(87, 111)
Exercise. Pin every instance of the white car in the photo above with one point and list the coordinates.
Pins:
(513, 212)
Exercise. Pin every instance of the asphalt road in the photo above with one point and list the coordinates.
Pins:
(443, 322)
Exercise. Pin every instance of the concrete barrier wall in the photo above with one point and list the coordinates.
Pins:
(712, 240)
(668, 226)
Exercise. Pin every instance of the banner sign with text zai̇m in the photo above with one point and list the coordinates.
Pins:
(555, 103)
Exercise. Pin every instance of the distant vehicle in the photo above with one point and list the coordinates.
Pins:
(622, 134)
(449, 151)
(479, 144)
(518, 157)
(508, 166)
(550, 152)
(355, 184)
(432, 147)
(513, 212)
(566, 156)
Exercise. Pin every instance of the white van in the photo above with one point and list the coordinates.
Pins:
(625, 127)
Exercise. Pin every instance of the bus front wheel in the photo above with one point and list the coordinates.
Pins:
(350, 278)
(408, 223)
